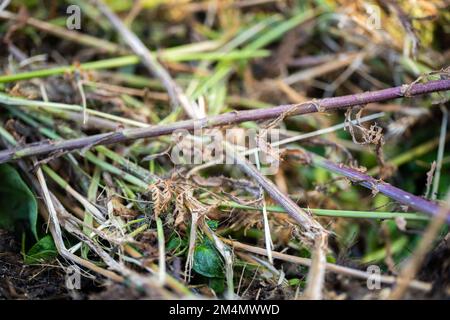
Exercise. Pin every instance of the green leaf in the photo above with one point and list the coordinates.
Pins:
(294, 282)
(217, 284)
(17, 202)
(212, 224)
(176, 244)
(331, 258)
(207, 261)
(44, 250)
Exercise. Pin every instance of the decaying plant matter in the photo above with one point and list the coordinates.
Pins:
(90, 118)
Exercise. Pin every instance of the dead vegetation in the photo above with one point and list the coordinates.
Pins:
(89, 120)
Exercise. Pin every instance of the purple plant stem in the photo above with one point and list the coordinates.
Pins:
(401, 196)
(296, 213)
(323, 105)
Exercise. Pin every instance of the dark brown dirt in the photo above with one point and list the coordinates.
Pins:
(20, 281)
(436, 269)
(116, 292)
(47, 282)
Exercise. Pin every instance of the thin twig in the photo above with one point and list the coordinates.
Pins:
(267, 233)
(440, 156)
(328, 104)
(314, 234)
(4, 5)
(403, 197)
(162, 251)
(419, 285)
(175, 92)
(410, 270)
(298, 214)
(292, 139)
(316, 275)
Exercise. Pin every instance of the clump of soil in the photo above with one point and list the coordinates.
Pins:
(436, 269)
(117, 292)
(20, 281)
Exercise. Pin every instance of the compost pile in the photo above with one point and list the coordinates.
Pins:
(102, 196)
